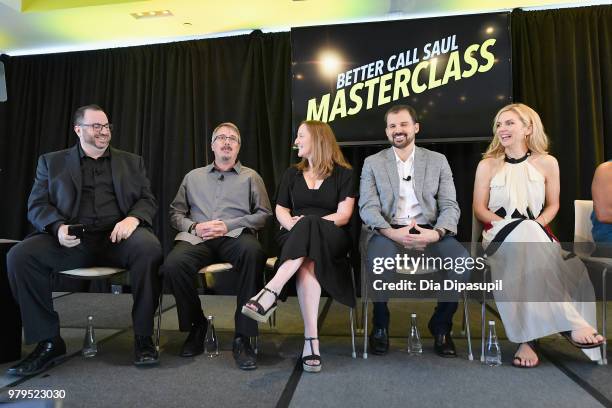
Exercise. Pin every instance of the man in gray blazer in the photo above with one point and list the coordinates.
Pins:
(407, 201)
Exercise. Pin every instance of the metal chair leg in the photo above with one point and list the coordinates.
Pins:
(255, 341)
(482, 318)
(355, 295)
(272, 321)
(463, 319)
(159, 313)
(466, 324)
(482, 331)
(360, 321)
(365, 330)
(604, 346)
(354, 353)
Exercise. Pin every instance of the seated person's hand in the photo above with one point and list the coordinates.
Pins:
(211, 229)
(123, 229)
(294, 221)
(421, 239)
(66, 240)
(397, 235)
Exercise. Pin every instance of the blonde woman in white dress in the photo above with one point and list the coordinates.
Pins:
(516, 195)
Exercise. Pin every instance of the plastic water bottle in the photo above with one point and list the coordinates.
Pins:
(414, 339)
(90, 347)
(211, 343)
(492, 351)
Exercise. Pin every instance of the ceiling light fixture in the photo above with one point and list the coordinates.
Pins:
(152, 14)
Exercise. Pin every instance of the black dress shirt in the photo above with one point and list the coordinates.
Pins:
(98, 209)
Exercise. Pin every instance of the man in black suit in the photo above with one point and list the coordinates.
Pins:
(107, 191)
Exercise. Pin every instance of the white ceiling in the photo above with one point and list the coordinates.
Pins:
(43, 26)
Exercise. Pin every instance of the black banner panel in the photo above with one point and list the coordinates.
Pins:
(455, 71)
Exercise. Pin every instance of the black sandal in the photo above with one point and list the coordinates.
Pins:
(311, 368)
(568, 337)
(532, 345)
(261, 315)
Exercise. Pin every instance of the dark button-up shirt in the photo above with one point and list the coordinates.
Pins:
(98, 209)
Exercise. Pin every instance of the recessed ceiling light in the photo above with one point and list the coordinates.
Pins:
(152, 14)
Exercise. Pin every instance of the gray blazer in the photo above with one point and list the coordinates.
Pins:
(433, 186)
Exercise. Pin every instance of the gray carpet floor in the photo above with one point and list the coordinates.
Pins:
(565, 377)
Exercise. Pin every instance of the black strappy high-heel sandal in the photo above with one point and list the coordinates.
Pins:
(261, 315)
(311, 368)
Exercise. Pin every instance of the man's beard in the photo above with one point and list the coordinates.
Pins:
(225, 155)
(404, 143)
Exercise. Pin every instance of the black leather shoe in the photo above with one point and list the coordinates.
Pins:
(444, 346)
(243, 354)
(194, 344)
(145, 352)
(46, 354)
(379, 341)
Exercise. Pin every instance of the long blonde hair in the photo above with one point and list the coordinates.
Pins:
(537, 141)
(325, 150)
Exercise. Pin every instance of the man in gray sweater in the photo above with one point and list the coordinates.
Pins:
(217, 210)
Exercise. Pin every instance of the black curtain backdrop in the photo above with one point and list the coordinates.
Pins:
(562, 67)
(165, 100)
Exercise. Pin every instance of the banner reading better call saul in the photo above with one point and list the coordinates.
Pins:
(455, 71)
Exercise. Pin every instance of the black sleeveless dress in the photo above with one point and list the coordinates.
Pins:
(313, 237)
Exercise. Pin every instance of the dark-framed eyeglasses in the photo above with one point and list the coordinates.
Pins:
(98, 126)
(225, 138)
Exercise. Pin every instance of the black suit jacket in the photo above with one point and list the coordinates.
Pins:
(56, 194)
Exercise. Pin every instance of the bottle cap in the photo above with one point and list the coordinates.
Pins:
(491, 323)
(413, 315)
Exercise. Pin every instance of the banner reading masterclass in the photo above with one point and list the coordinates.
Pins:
(455, 71)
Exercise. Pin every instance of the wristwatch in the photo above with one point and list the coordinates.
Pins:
(441, 232)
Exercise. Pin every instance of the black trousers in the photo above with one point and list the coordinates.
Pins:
(32, 262)
(180, 272)
(441, 321)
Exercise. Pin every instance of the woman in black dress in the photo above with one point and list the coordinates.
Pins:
(314, 204)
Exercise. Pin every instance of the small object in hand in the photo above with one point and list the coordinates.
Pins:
(76, 230)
